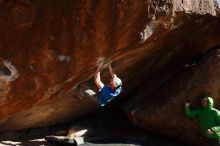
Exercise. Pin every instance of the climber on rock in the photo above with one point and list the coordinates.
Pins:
(106, 92)
(209, 119)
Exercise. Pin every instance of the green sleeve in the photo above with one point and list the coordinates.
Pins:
(217, 118)
(191, 113)
(217, 121)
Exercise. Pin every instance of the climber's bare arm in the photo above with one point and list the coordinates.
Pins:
(111, 71)
(97, 78)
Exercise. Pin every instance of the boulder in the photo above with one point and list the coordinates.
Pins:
(163, 110)
(49, 48)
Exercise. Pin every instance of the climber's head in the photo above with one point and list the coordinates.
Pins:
(115, 82)
(204, 102)
(207, 101)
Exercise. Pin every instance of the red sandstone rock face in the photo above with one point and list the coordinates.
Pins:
(49, 47)
(163, 111)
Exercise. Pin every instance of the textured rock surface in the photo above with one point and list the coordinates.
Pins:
(49, 47)
(163, 111)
